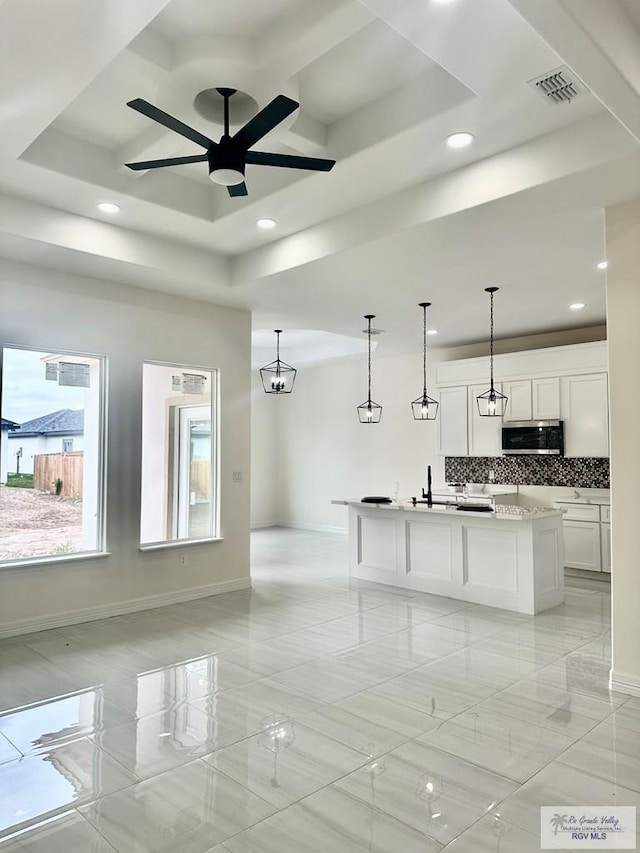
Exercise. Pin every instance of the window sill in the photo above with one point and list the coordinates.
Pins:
(39, 562)
(179, 543)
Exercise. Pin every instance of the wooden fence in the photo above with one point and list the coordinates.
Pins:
(201, 479)
(48, 467)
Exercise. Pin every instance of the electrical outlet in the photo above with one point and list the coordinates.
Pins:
(491, 475)
(182, 560)
(237, 475)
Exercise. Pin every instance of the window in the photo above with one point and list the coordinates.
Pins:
(179, 454)
(51, 455)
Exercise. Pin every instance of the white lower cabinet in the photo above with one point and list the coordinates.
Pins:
(586, 530)
(582, 545)
(605, 544)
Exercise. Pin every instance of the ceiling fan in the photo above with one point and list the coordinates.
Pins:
(228, 157)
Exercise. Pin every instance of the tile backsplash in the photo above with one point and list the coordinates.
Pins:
(579, 472)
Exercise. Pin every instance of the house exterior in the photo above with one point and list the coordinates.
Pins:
(6, 427)
(58, 432)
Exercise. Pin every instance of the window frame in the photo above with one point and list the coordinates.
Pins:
(101, 466)
(215, 445)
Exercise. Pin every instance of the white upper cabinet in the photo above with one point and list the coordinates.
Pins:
(452, 421)
(485, 437)
(585, 411)
(533, 399)
(545, 399)
(553, 383)
(519, 400)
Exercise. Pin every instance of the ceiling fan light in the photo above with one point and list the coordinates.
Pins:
(226, 177)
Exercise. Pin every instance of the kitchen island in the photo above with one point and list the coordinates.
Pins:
(511, 558)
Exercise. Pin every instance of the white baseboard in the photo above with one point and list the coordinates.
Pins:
(314, 528)
(90, 614)
(625, 683)
(262, 525)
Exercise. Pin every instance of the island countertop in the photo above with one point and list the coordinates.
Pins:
(506, 512)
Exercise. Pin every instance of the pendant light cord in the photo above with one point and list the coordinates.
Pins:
(491, 343)
(424, 353)
(277, 331)
(369, 362)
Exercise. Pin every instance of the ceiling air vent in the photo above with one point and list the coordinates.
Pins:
(558, 87)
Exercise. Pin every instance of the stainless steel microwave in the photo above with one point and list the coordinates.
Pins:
(530, 437)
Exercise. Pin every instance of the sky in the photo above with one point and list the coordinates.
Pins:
(26, 394)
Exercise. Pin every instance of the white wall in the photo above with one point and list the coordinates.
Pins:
(32, 445)
(53, 311)
(265, 453)
(323, 452)
(4, 454)
(623, 309)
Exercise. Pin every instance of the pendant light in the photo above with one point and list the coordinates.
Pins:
(369, 412)
(492, 403)
(424, 408)
(278, 376)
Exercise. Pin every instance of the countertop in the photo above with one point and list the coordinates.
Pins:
(502, 513)
(599, 497)
(480, 490)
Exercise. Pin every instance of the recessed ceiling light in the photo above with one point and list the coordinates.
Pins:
(108, 207)
(602, 265)
(460, 140)
(432, 331)
(577, 306)
(266, 223)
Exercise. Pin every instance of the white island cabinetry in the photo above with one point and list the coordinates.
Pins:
(512, 561)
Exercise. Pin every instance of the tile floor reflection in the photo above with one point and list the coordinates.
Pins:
(312, 714)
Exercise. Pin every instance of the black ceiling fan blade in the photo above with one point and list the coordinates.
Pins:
(238, 189)
(289, 161)
(172, 161)
(170, 122)
(275, 112)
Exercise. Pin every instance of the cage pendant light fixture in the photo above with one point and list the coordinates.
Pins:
(424, 408)
(492, 403)
(369, 412)
(278, 376)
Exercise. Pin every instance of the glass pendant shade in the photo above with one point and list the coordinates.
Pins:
(369, 412)
(424, 408)
(491, 404)
(278, 377)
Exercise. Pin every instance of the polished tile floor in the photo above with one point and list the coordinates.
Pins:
(312, 714)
